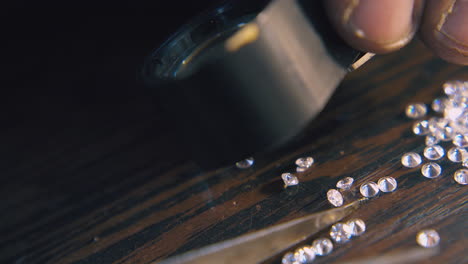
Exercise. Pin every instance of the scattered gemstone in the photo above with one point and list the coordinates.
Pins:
(438, 105)
(387, 184)
(355, 227)
(453, 88)
(345, 184)
(460, 140)
(288, 258)
(431, 140)
(245, 164)
(369, 189)
(411, 160)
(456, 154)
(428, 238)
(416, 111)
(338, 234)
(431, 170)
(461, 176)
(304, 255)
(305, 162)
(421, 128)
(435, 152)
(289, 179)
(335, 197)
(322, 246)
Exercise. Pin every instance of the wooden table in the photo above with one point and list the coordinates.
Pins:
(95, 174)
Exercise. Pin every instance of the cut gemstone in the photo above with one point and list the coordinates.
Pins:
(461, 176)
(453, 109)
(411, 160)
(355, 227)
(421, 128)
(453, 88)
(288, 258)
(434, 152)
(460, 140)
(387, 184)
(304, 255)
(244, 164)
(345, 184)
(431, 170)
(289, 179)
(322, 246)
(416, 111)
(335, 197)
(456, 154)
(438, 105)
(369, 189)
(338, 234)
(305, 162)
(428, 238)
(431, 140)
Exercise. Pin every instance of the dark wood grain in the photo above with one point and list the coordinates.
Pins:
(98, 177)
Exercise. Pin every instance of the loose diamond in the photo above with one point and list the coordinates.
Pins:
(434, 152)
(431, 140)
(428, 238)
(438, 105)
(345, 184)
(335, 197)
(461, 176)
(421, 128)
(289, 179)
(387, 184)
(411, 160)
(431, 170)
(305, 162)
(369, 189)
(322, 246)
(355, 227)
(453, 88)
(288, 258)
(456, 154)
(338, 234)
(460, 140)
(245, 164)
(416, 111)
(304, 255)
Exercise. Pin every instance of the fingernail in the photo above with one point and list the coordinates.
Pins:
(453, 23)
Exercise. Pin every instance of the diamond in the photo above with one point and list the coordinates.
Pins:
(431, 140)
(355, 227)
(305, 162)
(345, 184)
(245, 164)
(288, 258)
(338, 234)
(431, 170)
(322, 246)
(456, 154)
(421, 128)
(460, 140)
(453, 109)
(428, 238)
(335, 197)
(387, 184)
(438, 105)
(369, 189)
(304, 255)
(416, 111)
(461, 176)
(411, 160)
(434, 152)
(289, 179)
(453, 88)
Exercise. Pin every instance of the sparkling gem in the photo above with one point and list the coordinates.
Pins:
(304, 255)
(416, 111)
(322, 246)
(428, 238)
(289, 179)
(288, 258)
(355, 227)
(338, 234)
(387, 184)
(431, 170)
(438, 105)
(421, 128)
(431, 140)
(345, 184)
(305, 162)
(434, 152)
(441, 129)
(335, 197)
(453, 88)
(456, 154)
(465, 163)
(461, 176)
(411, 160)
(460, 140)
(244, 164)
(453, 109)
(369, 189)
